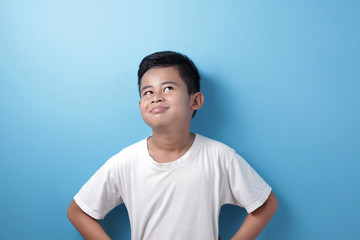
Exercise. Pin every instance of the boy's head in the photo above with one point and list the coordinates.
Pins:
(185, 66)
(184, 70)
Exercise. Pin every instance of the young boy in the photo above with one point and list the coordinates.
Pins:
(174, 182)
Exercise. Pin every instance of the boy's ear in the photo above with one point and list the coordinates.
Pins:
(197, 100)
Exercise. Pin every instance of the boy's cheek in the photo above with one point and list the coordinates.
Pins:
(142, 104)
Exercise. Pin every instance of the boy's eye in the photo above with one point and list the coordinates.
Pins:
(147, 93)
(168, 88)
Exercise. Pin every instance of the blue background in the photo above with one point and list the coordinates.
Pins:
(281, 81)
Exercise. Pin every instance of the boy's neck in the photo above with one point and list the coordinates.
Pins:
(167, 147)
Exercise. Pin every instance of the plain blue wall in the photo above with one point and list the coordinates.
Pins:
(282, 87)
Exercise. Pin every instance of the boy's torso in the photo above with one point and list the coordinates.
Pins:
(182, 197)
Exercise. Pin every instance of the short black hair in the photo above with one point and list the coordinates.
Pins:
(187, 69)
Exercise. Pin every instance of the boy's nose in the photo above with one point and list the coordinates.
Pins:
(158, 98)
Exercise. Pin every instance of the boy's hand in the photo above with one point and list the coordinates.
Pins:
(256, 221)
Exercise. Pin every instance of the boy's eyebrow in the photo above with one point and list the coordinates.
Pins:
(145, 87)
(164, 83)
(169, 82)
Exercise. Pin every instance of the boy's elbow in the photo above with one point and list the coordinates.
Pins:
(72, 210)
(268, 209)
(273, 203)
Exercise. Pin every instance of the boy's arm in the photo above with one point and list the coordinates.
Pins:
(257, 220)
(88, 227)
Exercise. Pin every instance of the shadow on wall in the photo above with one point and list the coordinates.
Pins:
(116, 223)
(281, 227)
(230, 219)
(209, 119)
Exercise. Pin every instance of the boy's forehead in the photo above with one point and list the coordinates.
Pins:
(154, 73)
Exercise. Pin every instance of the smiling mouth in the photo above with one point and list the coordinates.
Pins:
(157, 110)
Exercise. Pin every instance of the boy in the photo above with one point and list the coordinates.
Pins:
(174, 182)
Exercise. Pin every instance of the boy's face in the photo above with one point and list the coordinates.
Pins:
(165, 100)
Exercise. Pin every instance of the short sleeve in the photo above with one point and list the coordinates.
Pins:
(100, 194)
(243, 186)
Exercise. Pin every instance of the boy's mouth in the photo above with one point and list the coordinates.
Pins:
(158, 109)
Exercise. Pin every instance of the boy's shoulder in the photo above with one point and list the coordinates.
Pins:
(213, 144)
(133, 148)
(129, 153)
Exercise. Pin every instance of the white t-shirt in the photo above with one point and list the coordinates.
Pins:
(176, 200)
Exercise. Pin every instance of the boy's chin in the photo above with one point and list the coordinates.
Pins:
(167, 123)
(161, 126)
(156, 127)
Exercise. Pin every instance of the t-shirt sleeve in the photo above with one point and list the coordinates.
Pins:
(243, 186)
(100, 193)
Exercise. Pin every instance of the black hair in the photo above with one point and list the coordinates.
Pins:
(186, 67)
